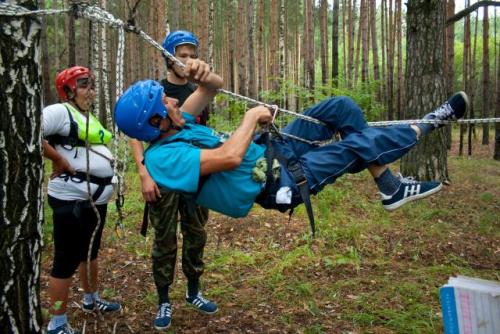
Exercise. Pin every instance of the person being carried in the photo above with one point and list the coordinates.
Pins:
(74, 220)
(163, 205)
(222, 172)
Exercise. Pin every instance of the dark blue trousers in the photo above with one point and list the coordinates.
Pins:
(360, 146)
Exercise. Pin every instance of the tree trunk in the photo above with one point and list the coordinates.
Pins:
(358, 45)
(344, 41)
(335, 43)
(466, 76)
(425, 85)
(260, 46)
(273, 45)
(485, 105)
(472, 82)
(252, 87)
(449, 61)
(70, 37)
(281, 50)
(21, 173)
(496, 154)
(350, 55)
(232, 79)
(383, 48)
(390, 62)
(373, 34)
(365, 46)
(210, 44)
(399, 67)
(241, 48)
(56, 37)
(309, 45)
(202, 29)
(46, 82)
(323, 26)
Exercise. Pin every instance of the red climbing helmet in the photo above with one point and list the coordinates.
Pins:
(68, 78)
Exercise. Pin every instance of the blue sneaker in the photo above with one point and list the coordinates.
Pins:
(409, 190)
(63, 329)
(163, 316)
(102, 305)
(201, 304)
(453, 109)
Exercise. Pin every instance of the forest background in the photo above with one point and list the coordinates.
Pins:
(367, 271)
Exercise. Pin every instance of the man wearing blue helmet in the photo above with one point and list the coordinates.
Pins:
(164, 206)
(229, 173)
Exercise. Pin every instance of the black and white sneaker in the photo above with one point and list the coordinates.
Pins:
(409, 190)
(454, 108)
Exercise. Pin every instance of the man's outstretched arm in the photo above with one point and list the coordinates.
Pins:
(231, 153)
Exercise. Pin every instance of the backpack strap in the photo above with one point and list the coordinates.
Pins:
(298, 176)
(301, 181)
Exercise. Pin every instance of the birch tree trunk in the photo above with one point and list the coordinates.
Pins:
(21, 173)
(425, 88)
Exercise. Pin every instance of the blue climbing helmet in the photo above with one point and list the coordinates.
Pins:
(179, 37)
(136, 106)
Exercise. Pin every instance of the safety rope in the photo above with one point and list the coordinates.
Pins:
(8, 9)
(121, 165)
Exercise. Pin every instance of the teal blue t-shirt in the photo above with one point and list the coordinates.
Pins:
(175, 165)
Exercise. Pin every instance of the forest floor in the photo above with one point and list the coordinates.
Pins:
(367, 270)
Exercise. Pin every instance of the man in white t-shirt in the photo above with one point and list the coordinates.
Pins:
(66, 132)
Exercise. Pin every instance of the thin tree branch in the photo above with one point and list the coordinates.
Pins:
(470, 9)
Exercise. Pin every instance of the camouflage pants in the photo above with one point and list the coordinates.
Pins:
(163, 218)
